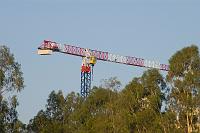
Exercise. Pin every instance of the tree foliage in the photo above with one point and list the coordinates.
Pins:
(10, 80)
(134, 109)
(184, 79)
(112, 83)
(138, 108)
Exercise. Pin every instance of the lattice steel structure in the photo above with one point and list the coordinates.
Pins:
(89, 60)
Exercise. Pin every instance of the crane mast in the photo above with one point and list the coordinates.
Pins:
(89, 58)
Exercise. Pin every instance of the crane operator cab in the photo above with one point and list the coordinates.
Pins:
(93, 60)
(88, 61)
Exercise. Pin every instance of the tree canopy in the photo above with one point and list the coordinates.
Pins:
(137, 108)
(184, 80)
(147, 104)
(11, 80)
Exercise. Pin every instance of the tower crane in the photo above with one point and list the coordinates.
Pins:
(89, 58)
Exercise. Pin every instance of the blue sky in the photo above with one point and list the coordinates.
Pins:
(150, 29)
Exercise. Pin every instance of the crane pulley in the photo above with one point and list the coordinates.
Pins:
(89, 58)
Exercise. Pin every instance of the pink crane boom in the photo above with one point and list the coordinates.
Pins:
(89, 59)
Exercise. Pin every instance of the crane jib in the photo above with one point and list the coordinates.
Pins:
(105, 56)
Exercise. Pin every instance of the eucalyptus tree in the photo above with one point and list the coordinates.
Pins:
(11, 80)
(184, 80)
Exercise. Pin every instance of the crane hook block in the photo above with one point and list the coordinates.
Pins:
(44, 52)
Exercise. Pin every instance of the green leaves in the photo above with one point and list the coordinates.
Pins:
(185, 88)
(134, 109)
(11, 78)
(183, 61)
(105, 110)
(2, 78)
